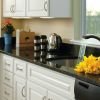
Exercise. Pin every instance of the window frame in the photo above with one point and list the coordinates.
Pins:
(79, 17)
(83, 17)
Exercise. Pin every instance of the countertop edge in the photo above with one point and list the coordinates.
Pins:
(73, 73)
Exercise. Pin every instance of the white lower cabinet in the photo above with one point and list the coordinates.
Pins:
(8, 78)
(54, 96)
(19, 88)
(1, 84)
(20, 80)
(36, 92)
(58, 85)
(41, 86)
(7, 93)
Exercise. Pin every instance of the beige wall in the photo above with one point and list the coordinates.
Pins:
(63, 27)
(17, 24)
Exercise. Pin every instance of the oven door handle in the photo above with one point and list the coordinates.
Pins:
(84, 85)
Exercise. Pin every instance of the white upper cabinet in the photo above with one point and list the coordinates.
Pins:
(7, 8)
(19, 8)
(60, 8)
(14, 8)
(37, 7)
(49, 8)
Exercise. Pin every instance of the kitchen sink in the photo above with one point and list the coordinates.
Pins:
(63, 62)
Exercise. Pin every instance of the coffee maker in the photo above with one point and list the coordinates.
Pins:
(54, 42)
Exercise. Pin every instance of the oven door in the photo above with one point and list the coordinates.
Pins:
(86, 91)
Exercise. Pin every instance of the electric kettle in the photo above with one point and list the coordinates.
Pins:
(54, 42)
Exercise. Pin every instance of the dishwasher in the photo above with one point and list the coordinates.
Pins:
(86, 91)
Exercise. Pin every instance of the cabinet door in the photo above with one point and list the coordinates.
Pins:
(37, 8)
(19, 8)
(12, 8)
(19, 88)
(7, 8)
(54, 96)
(36, 92)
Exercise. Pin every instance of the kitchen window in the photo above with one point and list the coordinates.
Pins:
(90, 23)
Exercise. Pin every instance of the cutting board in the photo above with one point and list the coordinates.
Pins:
(26, 38)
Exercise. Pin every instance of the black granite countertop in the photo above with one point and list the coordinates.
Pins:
(41, 58)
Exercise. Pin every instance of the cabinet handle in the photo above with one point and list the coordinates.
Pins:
(17, 68)
(44, 98)
(6, 93)
(7, 78)
(13, 8)
(7, 64)
(23, 91)
(45, 5)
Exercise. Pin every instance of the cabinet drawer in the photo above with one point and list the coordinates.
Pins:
(61, 81)
(8, 78)
(20, 68)
(7, 93)
(8, 63)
